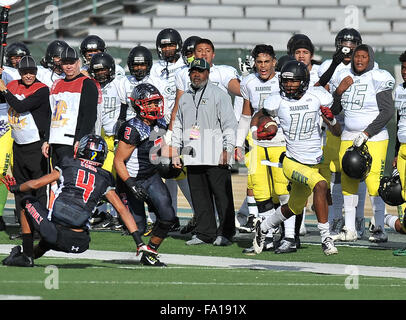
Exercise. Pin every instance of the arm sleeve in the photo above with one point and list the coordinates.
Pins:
(336, 107)
(30, 103)
(386, 111)
(87, 109)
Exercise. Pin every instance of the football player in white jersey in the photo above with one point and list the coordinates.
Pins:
(399, 162)
(299, 109)
(91, 45)
(102, 69)
(267, 186)
(50, 69)
(346, 41)
(169, 45)
(365, 95)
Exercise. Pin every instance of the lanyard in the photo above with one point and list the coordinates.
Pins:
(198, 103)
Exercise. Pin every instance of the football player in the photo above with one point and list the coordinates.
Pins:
(82, 183)
(299, 109)
(91, 45)
(188, 49)
(266, 187)
(365, 95)
(135, 162)
(50, 69)
(102, 70)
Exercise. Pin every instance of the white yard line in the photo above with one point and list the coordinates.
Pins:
(224, 262)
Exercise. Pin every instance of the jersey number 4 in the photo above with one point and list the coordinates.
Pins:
(85, 180)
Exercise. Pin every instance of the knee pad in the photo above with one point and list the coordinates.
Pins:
(162, 227)
(264, 206)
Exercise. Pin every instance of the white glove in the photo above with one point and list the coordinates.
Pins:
(4, 127)
(246, 66)
(360, 140)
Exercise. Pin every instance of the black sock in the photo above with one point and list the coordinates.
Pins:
(153, 245)
(28, 244)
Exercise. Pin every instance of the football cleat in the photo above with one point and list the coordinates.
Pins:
(148, 259)
(149, 228)
(378, 235)
(259, 238)
(328, 247)
(268, 244)
(371, 225)
(287, 245)
(191, 225)
(250, 224)
(145, 248)
(336, 226)
(17, 258)
(360, 227)
(345, 235)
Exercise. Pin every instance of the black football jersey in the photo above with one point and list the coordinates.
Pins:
(81, 184)
(135, 132)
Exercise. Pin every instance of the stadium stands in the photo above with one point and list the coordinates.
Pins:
(236, 23)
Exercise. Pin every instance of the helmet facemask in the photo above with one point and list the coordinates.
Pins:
(151, 108)
(288, 93)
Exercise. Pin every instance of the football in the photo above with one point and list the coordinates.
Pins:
(267, 128)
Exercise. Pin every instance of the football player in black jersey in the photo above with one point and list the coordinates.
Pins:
(136, 162)
(81, 185)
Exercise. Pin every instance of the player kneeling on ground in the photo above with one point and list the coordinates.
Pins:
(299, 109)
(82, 184)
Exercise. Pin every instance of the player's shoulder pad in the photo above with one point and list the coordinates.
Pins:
(383, 79)
(322, 94)
(133, 131)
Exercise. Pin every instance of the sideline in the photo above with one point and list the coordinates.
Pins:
(235, 263)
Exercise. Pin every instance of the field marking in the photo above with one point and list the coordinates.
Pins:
(226, 262)
(17, 297)
(185, 283)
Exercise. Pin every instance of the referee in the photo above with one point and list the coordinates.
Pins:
(29, 118)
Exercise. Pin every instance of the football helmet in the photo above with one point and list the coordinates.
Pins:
(142, 98)
(296, 37)
(188, 48)
(54, 49)
(16, 49)
(294, 70)
(347, 34)
(282, 60)
(102, 61)
(139, 55)
(356, 162)
(168, 36)
(93, 148)
(390, 190)
(91, 43)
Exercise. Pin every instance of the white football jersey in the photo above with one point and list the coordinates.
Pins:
(220, 75)
(400, 105)
(163, 76)
(9, 74)
(126, 87)
(314, 74)
(300, 123)
(110, 106)
(257, 91)
(359, 101)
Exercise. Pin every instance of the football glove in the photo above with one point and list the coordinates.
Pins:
(11, 184)
(338, 56)
(246, 66)
(137, 189)
(328, 114)
(360, 140)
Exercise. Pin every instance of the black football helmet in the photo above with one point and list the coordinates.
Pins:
(188, 48)
(390, 190)
(168, 36)
(102, 61)
(54, 49)
(166, 169)
(294, 70)
(91, 43)
(139, 55)
(16, 49)
(356, 162)
(92, 148)
(296, 37)
(141, 98)
(348, 34)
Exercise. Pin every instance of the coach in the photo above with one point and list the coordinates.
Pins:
(73, 102)
(205, 122)
(29, 118)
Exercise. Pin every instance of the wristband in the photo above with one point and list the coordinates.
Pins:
(333, 122)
